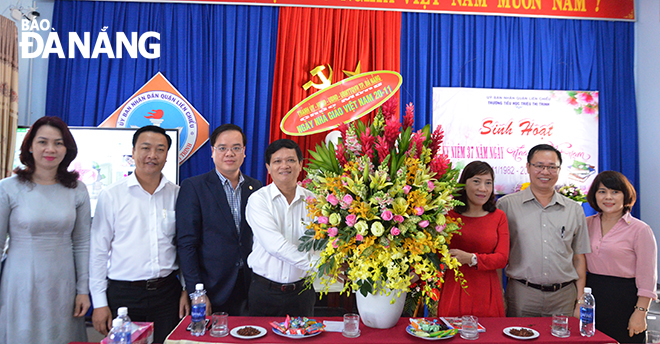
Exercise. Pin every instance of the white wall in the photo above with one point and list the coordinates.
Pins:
(647, 58)
(30, 108)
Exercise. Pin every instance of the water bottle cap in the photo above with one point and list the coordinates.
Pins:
(117, 323)
(587, 290)
(199, 286)
(122, 311)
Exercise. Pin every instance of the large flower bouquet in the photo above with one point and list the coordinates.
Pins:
(379, 215)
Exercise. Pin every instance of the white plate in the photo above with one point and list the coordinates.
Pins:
(506, 331)
(410, 330)
(295, 336)
(234, 332)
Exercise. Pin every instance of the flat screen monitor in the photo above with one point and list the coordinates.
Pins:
(105, 156)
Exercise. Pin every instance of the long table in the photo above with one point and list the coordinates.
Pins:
(397, 334)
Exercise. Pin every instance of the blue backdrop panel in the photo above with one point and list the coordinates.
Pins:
(440, 50)
(220, 58)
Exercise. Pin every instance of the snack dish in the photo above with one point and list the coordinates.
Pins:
(448, 334)
(430, 330)
(234, 332)
(299, 327)
(295, 336)
(507, 331)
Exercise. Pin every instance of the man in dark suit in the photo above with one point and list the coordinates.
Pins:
(213, 237)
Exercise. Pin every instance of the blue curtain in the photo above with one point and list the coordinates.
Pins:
(440, 50)
(220, 58)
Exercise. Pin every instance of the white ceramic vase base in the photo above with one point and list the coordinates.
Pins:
(376, 311)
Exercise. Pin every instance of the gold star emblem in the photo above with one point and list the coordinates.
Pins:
(357, 71)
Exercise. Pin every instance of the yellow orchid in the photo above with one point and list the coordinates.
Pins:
(387, 213)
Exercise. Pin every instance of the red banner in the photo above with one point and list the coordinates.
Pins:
(340, 103)
(573, 9)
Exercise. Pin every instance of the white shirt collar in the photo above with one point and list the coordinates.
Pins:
(274, 192)
(132, 181)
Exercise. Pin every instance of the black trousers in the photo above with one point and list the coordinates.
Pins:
(237, 303)
(615, 299)
(266, 300)
(160, 306)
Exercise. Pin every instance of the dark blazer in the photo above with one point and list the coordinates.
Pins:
(208, 244)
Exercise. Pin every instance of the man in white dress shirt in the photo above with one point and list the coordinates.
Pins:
(276, 214)
(132, 253)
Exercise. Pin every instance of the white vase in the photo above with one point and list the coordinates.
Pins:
(376, 311)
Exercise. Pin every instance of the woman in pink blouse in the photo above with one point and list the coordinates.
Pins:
(622, 263)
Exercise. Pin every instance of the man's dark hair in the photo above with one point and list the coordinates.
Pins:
(154, 129)
(543, 147)
(226, 127)
(283, 143)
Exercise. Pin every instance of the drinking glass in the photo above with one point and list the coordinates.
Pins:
(652, 336)
(560, 326)
(469, 327)
(219, 324)
(351, 325)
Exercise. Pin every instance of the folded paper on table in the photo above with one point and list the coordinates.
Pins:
(333, 326)
(456, 322)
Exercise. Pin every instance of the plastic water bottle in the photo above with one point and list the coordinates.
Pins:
(587, 314)
(117, 335)
(122, 313)
(198, 313)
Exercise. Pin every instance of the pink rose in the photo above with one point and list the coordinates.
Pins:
(351, 220)
(406, 189)
(395, 231)
(398, 218)
(440, 228)
(359, 238)
(332, 232)
(431, 185)
(335, 243)
(323, 220)
(348, 199)
(419, 210)
(424, 223)
(387, 215)
(310, 199)
(332, 199)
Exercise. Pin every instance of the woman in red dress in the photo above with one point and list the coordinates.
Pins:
(482, 249)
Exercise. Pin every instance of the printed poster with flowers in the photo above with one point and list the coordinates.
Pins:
(499, 126)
